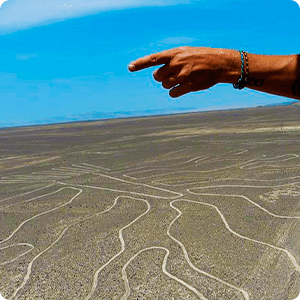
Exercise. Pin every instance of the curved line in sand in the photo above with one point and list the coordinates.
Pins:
(26, 278)
(289, 254)
(28, 192)
(95, 279)
(13, 245)
(40, 214)
(245, 294)
(127, 287)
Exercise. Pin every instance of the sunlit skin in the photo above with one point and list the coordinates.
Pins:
(191, 69)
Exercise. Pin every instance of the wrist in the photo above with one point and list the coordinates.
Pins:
(230, 66)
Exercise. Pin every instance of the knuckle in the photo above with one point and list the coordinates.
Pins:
(153, 58)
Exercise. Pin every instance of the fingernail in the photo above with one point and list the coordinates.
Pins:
(131, 67)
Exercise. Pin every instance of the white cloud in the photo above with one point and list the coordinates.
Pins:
(28, 13)
(1, 2)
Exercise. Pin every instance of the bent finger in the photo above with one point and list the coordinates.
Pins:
(151, 60)
(164, 72)
(180, 90)
(170, 82)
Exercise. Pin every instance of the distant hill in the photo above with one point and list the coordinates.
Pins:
(100, 116)
(286, 103)
(124, 114)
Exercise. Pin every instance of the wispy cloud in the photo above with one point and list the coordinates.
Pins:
(177, 40)
(25, 57)
(17, 14)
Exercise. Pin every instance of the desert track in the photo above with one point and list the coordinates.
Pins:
(145, 212)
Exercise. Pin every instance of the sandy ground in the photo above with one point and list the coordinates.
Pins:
(192, 206)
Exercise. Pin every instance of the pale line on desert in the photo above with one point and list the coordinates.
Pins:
(217, 159)
(140, 184)
(246, 198)
(228, 179)
(177, 151)
(69, 170)
(11, 157)
(107, 169)
(203, 171)
(257, 167)
(95, 279)
(183, 171)
(60, 236)
(37, 197)
(55, 176)
(198, 159)
(164, 168)
(269, 160)
(36, 180)
(144, 171)
(133, 178)
(289, 254)
(26, 278)
(241, 152)
(127, 288)
(130, 168)
(43, 213)
(50, 174)
(13, 181)
(247, 186)
(18, 244)
(120, 191)
(82, 168)
(245, 294)
(28, 192)
(54, 173)
(175, 172)
(85, 168)
(289, 167)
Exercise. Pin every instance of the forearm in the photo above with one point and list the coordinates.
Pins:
(274, 74)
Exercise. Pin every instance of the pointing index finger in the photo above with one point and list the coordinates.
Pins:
(150, 61)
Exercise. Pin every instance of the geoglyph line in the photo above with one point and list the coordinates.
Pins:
(28, 192)
(97, 167)
(289, 254)
(246, 198)
(127, 287)
(271, 160)
(56, 241)
(218, 180)
(85, 168)
(164, 168)
(141, 184)
(95, 279)
(26, 278)
(70, 171)
(37, 197)
(120, 191)
(14, 259)
(245, 294)
(240, 152)
(41, 214)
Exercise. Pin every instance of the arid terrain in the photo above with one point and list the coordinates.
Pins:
(191, 206)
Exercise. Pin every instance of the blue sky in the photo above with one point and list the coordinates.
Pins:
(60, 59)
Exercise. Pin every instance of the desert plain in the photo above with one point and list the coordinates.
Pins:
(189, 206)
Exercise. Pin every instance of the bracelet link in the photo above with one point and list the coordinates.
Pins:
(243, 80)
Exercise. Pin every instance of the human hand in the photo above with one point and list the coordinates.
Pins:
(188, 69)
